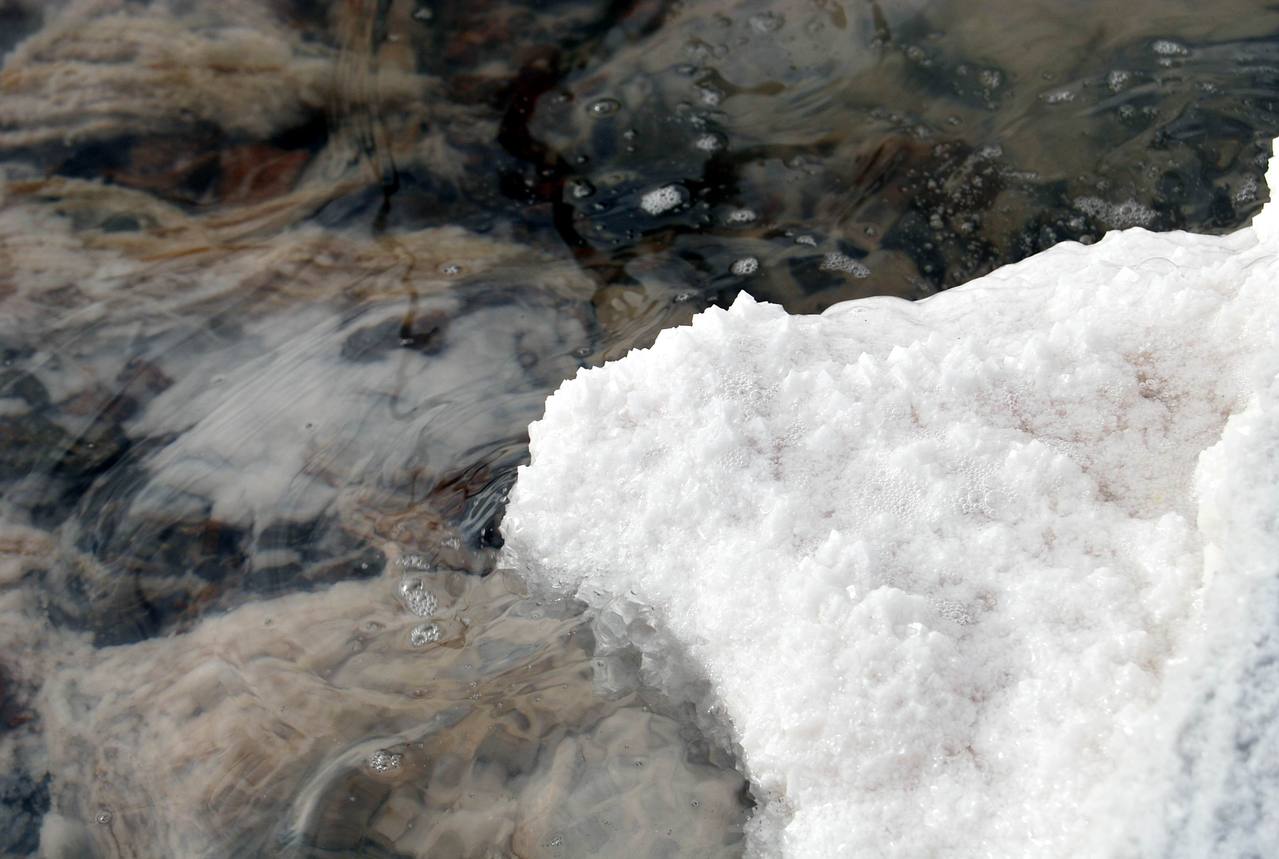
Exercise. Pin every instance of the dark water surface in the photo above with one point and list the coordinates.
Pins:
(282, 284)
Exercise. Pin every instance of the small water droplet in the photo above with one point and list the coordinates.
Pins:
(103, 817)
(450, 268)
(580, 189)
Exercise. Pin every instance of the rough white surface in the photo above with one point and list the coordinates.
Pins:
(992, 574)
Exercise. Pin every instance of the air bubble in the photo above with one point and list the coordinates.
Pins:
(451, 269)
(663, 199)
(745, 266)
(103, 817)
(604, 107)
(383, 761)
(580, 189)
(740, 216)
(417, 598)
(424, 634)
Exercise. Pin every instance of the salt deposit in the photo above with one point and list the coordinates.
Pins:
(993, 574)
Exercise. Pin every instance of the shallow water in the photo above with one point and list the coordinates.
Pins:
(282, 284)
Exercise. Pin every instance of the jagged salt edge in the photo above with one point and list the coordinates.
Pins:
(1222, 514)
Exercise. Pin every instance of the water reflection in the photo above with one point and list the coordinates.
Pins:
(282, 285)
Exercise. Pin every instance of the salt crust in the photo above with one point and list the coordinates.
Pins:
(992, 574)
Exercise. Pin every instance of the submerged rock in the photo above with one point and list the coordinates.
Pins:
(312, 723)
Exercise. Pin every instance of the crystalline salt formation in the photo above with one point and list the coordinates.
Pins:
(992, 574)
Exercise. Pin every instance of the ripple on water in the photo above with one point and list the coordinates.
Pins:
(276, 327)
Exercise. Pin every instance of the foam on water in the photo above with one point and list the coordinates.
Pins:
(992, 574)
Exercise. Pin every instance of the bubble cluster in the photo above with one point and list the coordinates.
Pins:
(417, 598)
(745, 266)
(383, 761)
(1117, 216)
(424, 634)
(709, 142)
(1169, 48)
(663, 199)
(844, 263)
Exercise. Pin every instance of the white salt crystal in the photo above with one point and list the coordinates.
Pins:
(991, 574)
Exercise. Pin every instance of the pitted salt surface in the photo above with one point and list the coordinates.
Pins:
(992, 574)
